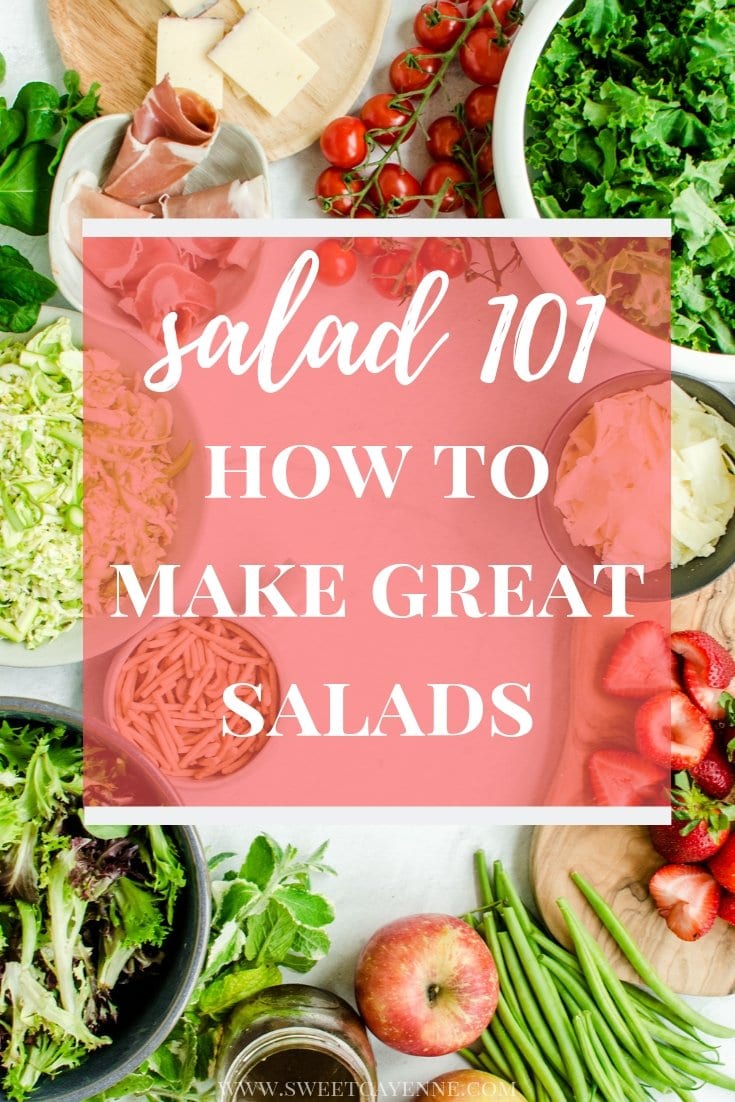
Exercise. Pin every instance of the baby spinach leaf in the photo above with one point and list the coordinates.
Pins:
(12, 125)
(39, 103)
(25, 188)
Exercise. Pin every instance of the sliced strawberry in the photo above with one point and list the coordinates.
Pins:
(620, 778)
(715, 775)
(698, 648)
(640, 665)
(687, 897)
(675, 678)
(672, 731)
(726, 908)
(704, 696)
(722, 865)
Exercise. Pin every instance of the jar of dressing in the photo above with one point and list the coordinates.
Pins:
(297, 1043)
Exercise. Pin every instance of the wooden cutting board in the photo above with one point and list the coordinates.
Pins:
(619, 861)
(114, 42)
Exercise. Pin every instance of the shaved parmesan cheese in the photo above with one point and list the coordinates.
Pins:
(296, 19)
(702, 477)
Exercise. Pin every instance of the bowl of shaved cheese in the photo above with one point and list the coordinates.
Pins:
(642, 472)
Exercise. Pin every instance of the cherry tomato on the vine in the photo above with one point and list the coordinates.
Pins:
(507, 12)
(394, 188)
(444, 177)
(446, 254)
(443, 136)
(369, 246)
(481, 57)
(413, 70)
(479, 107)
(384, 119)
(364, 211)
(397, 274)
(336, 189)
(343, 142)
(484, 158)
(491, 207)
(337, 262)
(438, 25)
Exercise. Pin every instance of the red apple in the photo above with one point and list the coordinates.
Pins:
(426, 984)
(468, 1084)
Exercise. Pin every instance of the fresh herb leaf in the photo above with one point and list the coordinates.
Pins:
(22, 291)
(39, 103)
(25, 188)
(12, 125)
(2, 68)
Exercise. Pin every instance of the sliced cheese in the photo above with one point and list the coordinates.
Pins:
(264, 62)
(187, 9)
(183, 46)
(296, 18)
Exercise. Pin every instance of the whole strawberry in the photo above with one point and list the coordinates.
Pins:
(722, 865)
(700, 826)
(726, 908)
(714, 774)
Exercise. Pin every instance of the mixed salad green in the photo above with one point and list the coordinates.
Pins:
(80, 916)
(40, 485)
(631, 113)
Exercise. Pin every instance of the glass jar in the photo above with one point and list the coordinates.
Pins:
(298, 1043)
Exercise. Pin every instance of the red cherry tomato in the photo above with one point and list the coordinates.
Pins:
(413, 70)
(396, 275)
(369, 246)
(508, 13)
(343, 142)
(364, 211)
(445, 254)
(335, 190)
(384, 120)
(337, 262)
(442, 136)
(481, 57)
(479, 107)
(445, 175)
(491, 207)
(438, 25)
(394, 189)
(485, 158)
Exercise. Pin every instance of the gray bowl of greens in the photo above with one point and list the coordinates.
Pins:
(607, 110)
(103, 930)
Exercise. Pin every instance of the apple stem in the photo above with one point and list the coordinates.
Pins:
(433, 992)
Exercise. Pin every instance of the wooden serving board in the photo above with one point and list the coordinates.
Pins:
(114, 42)
(619, 861)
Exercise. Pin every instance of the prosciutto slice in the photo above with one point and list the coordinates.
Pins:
(240, 199)
(171, 132)
(83, 199)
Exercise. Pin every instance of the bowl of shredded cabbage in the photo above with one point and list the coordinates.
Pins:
(115, 466)
(612, 456)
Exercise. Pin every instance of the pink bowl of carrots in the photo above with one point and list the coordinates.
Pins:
(164, 689)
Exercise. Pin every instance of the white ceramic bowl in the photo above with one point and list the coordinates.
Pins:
(512, 179)
(235, 154)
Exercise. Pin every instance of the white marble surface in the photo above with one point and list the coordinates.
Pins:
(384, 871)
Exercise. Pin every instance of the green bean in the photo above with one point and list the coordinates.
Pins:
(682, 1042)
(495, 1053)
(505, 889)
(533, 1058)
(536, 1024)
(483, 879)
(471, 1057)
(550, 1004)
(577, 999)
(607, 1086)
(512, 1056)
(704, 1071)
(623, 1003)
(645, 970)
(558, 952)
(649, 1002)
(486, 1064)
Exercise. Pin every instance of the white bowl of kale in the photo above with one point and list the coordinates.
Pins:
(103, 930)
(628, 111)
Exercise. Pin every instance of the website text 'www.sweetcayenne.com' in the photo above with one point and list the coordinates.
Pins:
(342, 1088)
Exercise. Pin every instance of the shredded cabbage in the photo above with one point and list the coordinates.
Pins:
(40, 485)
(702, 477)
